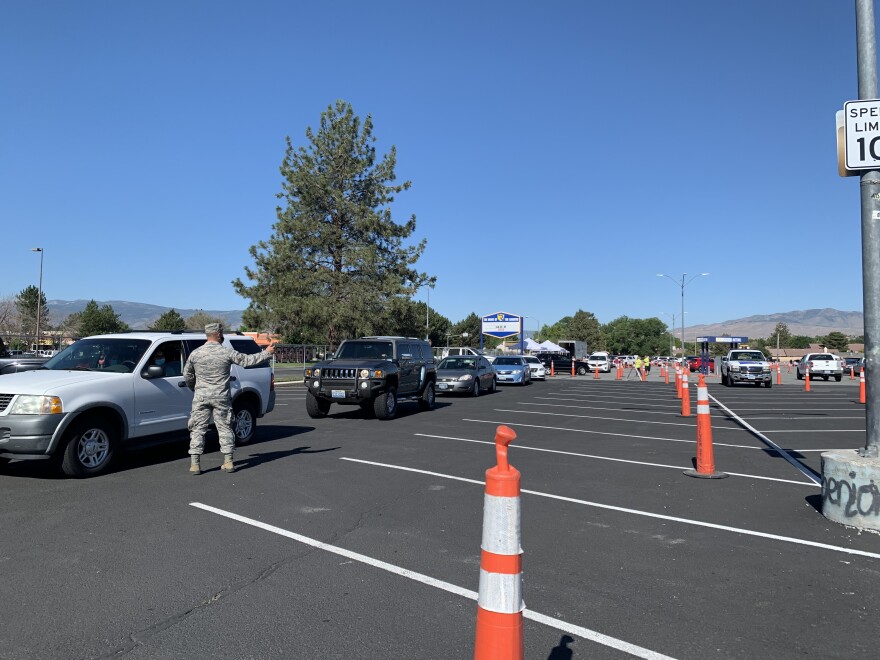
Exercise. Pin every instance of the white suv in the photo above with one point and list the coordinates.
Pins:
(109, 392)
(600, 360)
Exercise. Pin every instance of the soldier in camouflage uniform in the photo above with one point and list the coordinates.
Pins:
(207, 373)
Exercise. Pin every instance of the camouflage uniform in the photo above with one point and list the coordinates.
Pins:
(207, 372)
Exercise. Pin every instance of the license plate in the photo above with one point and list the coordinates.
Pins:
(751, 377)
(442, 386)
(337, 394)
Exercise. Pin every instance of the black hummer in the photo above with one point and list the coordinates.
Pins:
(375, 373)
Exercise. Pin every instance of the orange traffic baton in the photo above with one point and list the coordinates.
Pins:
(862, 386)
(705, 452)
(685, 396)
(807, 380)
(500, 603)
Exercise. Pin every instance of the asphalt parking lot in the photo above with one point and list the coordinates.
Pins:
(352, 538)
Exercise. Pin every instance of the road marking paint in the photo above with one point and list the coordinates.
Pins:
(647, 514)
(551, 398)
(579, 631)
(619, 460)
(817, 431)
(611, 419)
(809, 473)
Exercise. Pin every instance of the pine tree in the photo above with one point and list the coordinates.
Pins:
(336, 259)
(94, 320)
(170, 320)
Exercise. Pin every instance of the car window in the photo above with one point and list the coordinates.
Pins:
(822, 356)
(120, 355)
(249, 347)
(168, 354)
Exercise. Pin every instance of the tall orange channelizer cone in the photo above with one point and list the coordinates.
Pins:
(852, 373)
(596, 373)
(666, 374)
(705, 452)
(779, 374)
(807, 380)
(678, 373)
(619, 372)
(500, 603)
(552, 369)
(862, 386)
(685, 396)
(572, 368)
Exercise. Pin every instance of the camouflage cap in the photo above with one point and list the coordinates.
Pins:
(213, 329)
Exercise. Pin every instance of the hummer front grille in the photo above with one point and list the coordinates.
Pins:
(339, 374)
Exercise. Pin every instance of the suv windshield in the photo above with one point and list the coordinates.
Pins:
(366, 350)
(120, 355)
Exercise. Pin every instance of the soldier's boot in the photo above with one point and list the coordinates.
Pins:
(195, 467)
(227, 466)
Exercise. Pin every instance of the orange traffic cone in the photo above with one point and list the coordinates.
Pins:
(685, 396)
(619, 371)
(779, 374)
(596, 373)
(572, 368)
(862, 386)
(666, 374)
(705, 452)
(807, 380)
(552, 369)
(500, 603)
(852, 374)
(677, 382)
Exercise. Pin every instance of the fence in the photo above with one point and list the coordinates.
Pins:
(300, 353)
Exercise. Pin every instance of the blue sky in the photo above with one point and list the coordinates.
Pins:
(573, 149)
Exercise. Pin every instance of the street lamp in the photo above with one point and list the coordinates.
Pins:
(682, 284)
(463, 335)
(39, 297)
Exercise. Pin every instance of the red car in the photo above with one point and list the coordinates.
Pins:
(695, 364)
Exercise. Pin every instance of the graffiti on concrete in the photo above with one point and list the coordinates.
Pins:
(857, 500)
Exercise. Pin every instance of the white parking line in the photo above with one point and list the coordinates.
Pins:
(816, 431)
(571, 400)
(579, 631)
(788, 457)
(611, 419)
(659, 516)
(618, 460)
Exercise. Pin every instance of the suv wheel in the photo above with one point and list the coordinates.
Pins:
(88, 448)
(315, 407)
(244, 422)
(581, 371)
(385, 405)
(429, 397)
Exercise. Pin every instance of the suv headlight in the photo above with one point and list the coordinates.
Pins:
(734, 367)
(364, 373)
(28, 404)
(317, 373)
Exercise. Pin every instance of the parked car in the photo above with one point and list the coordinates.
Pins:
(600, 361)
(820, 364)
(512, 369)
(539, 371)
(854, 363)
(465, 374)
(561, 363)
(696, 364)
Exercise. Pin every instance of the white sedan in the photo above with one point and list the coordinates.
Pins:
(536, 367)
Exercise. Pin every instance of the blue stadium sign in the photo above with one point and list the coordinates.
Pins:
(502, 324)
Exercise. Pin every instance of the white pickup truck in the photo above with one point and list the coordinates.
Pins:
(820, 364)
(109, 392)
(745, 366)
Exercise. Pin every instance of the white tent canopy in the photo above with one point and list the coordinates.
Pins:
(532, 345)
(550, 347)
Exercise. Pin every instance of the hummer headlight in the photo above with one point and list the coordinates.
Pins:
(26, 404)
(317, 372)
(364, 373)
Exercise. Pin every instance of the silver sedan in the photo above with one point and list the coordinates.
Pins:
(465, 374)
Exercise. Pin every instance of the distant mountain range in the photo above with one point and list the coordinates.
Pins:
(808, 322)
(138, 316)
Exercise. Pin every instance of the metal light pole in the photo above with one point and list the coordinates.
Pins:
(671, 334)
(682, 284)
(39, 298)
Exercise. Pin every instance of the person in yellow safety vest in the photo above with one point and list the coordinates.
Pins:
(647, 364)
(638, 363)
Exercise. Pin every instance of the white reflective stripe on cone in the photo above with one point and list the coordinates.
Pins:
(702, 408)
(702, 394)
(501, 592)
(501, 531)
